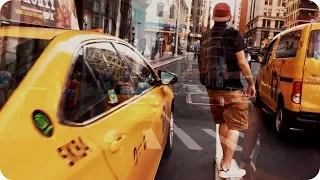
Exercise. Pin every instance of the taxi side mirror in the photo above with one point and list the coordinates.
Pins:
(167, 78)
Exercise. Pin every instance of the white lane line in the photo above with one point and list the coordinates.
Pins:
(215, 135)
(242, 135)
(186, 139)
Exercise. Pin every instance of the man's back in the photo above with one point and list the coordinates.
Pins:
(218, 57)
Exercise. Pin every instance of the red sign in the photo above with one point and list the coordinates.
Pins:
(52, 13)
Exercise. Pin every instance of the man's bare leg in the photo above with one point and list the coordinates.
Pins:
(223, 131)
(230, 147)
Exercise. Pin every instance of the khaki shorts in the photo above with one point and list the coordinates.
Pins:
(230, 107)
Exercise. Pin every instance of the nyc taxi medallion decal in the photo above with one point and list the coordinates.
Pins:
(74, 151)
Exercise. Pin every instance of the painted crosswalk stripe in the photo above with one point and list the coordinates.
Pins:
(186, 139)
(214, 134)
(242, 135)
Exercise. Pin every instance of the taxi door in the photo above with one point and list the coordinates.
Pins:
(145, 110)
(272, 75)
(266, 70)
(121, 131)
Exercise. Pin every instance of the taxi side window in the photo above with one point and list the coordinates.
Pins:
(289, 44)
(141, 74)
(269, 51)
(314, 45)
(97, 83)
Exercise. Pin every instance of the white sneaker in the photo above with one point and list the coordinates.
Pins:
(233, 172)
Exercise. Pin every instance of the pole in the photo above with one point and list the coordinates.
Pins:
(177, 31)
(188, 24)
(234, 13)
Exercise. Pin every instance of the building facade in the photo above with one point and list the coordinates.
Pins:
(197, 19)
(206, 15)
(265, 20)
(243, 15)
(300, 12)
(114, 17)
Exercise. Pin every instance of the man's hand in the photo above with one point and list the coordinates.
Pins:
(251, 91)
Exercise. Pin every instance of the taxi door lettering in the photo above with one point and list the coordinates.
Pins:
(138, 150)
(74, 151)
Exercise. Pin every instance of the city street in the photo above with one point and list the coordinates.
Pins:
(195, 149)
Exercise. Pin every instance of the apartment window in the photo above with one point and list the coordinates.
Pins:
(266, 2)
(269, 12)
(264, 23)
(95, 22)
(172, 10)
(265, 12)
(96, 6)
(278, 12)
(268, 23)
(160, 7)
(279, 2)
(284, 3)
(270, 2)
(276, 24)
(281, 24)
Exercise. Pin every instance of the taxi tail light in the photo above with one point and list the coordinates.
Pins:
(296, 92)
(188, 98)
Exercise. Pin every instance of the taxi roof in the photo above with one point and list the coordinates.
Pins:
(30, 32)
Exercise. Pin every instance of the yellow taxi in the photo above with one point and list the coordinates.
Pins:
(288, 82)
(80, 105)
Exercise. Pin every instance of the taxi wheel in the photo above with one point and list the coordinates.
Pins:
(258, 102)
(281, 123)
(169, 145)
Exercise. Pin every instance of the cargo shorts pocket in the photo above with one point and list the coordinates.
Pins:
(240, 113)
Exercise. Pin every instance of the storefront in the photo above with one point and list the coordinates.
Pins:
(138, 19)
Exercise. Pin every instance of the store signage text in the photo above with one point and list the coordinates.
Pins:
(41, 3)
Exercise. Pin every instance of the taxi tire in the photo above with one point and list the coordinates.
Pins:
(281, 122)
(258, 102)
(169, 144)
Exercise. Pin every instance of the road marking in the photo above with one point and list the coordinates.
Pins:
(242, 135)
(214, 134)
(186, 139)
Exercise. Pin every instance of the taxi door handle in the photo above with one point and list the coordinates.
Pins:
(117, 144)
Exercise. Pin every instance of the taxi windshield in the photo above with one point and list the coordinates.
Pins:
(17, 56)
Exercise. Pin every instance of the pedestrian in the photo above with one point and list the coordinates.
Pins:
(196, 49)
(222, 79)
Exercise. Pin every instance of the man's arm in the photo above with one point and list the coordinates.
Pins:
(244, 67)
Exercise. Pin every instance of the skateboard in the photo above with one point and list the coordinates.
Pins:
(217, 168)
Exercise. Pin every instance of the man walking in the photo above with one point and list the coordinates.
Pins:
(224, 60)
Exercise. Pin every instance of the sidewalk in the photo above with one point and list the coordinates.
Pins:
(168, 59)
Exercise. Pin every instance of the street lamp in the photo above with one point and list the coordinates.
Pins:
(177, 30)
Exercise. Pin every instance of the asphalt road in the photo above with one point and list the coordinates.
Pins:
(195, 148)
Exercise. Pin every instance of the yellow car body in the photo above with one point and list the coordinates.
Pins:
(126, 141)
(288, 80)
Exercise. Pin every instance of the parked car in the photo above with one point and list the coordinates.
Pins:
(288, 80)
(191, 99)
(80, 105)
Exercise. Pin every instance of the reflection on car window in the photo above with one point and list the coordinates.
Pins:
(194, 89)
(314, 45)
(98, 83)
(140, 73)
(17, 56)
(288, 45)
